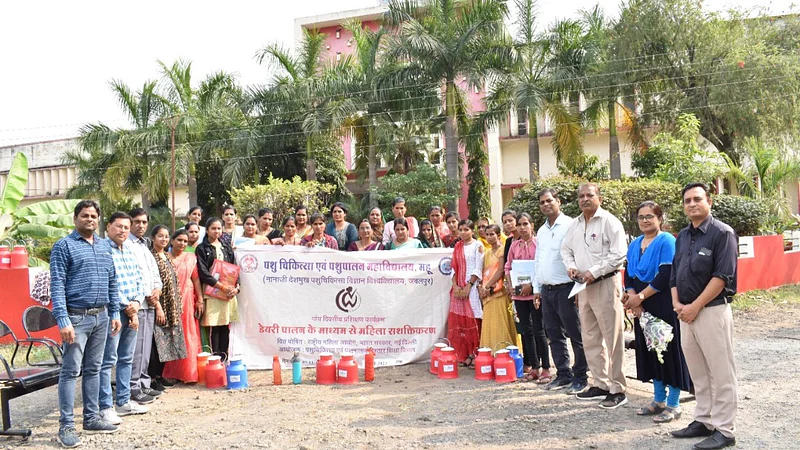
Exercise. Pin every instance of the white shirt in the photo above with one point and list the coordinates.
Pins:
(388, 230)
(598, 246)
(549, 268)
(147, 264)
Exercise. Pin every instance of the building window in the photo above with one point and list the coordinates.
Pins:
(338, 56)
(522, 122)
(338, 33)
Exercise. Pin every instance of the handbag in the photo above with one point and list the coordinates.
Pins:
(225, 272)
(170, 343)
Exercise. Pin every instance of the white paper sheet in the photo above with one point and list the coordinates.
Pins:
(576, 289)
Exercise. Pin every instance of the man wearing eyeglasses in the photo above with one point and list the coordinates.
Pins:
(593, 251)
(703, 283)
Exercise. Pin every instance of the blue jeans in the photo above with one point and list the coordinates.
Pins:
(82, 357)
(119, 351)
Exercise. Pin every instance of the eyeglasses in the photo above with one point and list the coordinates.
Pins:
(648, 218)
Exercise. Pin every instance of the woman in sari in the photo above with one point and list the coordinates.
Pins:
(463, 321)
(451, 219)
(340, 229)
(301, 221)
(191, 294)
(428, 235)
(376, 222)
(401, 236)
(318, 238)
(250, 234)
(498, 321)
(193, 234)
(168, 331)
(230, 231)
(290, 236)
(265, 218)
(365, 241)
(218, 314)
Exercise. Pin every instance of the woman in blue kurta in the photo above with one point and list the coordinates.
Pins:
(647, 284)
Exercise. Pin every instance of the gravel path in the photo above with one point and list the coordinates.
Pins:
(406, 407)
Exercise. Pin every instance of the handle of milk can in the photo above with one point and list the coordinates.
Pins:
(444, 339)
(501, 343)
(210, 350)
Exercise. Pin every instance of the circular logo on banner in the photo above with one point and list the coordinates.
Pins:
(444, 265)
(348, 299)
(249, 264)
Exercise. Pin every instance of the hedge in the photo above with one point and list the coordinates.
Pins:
(745, 215)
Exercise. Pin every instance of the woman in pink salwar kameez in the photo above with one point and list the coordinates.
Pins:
(185, 264)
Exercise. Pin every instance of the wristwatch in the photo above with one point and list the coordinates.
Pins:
(641, 296)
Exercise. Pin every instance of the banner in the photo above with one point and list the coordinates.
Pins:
(315, 300)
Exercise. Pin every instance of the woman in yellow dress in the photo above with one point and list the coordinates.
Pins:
(498, 321)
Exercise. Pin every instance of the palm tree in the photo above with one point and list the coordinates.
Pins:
(297, 93)
(529, 87)
(207, 119)
(606, 85)
(438, 41)
(393, 113)
(118, 162)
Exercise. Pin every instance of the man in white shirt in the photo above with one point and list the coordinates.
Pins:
(593, 251)
(399, 211)
(141, 391)
(551, 291)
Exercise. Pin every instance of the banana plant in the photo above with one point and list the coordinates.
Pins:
(51, 219)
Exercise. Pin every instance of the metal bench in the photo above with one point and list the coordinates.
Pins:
(18, 381)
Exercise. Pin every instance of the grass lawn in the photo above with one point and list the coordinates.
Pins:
(781, 295)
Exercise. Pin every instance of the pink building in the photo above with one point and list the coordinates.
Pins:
(338, 43)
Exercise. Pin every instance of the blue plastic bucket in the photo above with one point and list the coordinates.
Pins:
(237, 373)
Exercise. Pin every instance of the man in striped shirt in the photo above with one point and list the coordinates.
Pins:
(120, 348)
(85, 298)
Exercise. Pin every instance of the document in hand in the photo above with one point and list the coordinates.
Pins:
(522, 272)
(225, 272)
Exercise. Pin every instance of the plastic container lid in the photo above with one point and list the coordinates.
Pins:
(501, 351)
(214, 358)
(512, 347)
(440, 345)
(448, 349)
(347, 355)
(204, 354)
(484, 349)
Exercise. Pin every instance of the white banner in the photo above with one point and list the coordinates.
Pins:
(322, 300)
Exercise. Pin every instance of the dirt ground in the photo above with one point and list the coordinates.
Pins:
(406, 407)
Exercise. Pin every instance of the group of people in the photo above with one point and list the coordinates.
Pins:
(132, 301)
(139, 302)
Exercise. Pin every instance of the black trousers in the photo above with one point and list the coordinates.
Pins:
(220, 339)
(561, 322)
(156, 367)
(535, 352)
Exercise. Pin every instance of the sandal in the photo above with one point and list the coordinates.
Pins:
(469, 362)
(650, 410)
(544, 377)
(533, 375)
(668, 415)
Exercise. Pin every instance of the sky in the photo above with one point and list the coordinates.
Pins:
(57, 57)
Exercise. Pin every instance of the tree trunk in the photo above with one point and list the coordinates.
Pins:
(533, 147)
(372, 167)
(191, 184)
(146, 203)
(451, 140)
(311, 163)
(613, 142)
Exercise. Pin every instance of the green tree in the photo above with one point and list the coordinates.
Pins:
(283, 196)
(115, 163)
(738, 75)
(421, 188)
(441, 41)
(529, 88)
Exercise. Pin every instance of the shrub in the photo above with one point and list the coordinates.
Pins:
(620, 198)
(282, 196)
(745, 215)
(422, 188)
